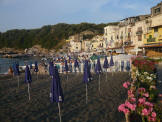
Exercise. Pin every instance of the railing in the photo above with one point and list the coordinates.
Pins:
(151, 40)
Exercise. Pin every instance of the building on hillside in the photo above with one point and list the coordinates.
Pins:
(86, 44)
(75, 43)
(156, 10)
(97, 44)
(153, 38)
(75, 46)
(111, 35)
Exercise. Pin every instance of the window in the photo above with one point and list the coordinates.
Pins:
(111, 37)
(139, 29)
(156, 29)
(139, 37)
(150, 36)
(157, 10)
(117, 37)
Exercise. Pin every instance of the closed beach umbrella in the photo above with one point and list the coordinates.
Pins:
(66, 66)
(98, 67)
(128, 66)
(16, 71)
(51, 69)
(76, 64)
(122, 65)
(86, 77)
(66, 69)
(98, 71)
(28, 79)
(106, 65)
(56, 93)
(36, 68)
(111, 63)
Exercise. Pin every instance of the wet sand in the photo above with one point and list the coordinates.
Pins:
(101, 107)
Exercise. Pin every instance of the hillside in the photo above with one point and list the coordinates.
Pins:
(48, 37)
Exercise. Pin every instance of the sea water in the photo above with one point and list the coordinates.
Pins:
(5, 63)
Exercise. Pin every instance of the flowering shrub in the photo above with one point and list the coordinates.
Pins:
(141, 91)
(143, 64)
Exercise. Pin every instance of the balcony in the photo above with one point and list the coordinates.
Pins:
(151, 40)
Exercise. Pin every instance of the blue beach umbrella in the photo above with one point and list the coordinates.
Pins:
(66, 66)
(16, 71)
(128, 66)
(111, 61)
(122, 65)
(56, 93)
(51, 69)
(98, 68)
(28, 79)
(66, 69)
(76, 64)
(86, 77)
(36, 68)
(106, 65)
(98, 71)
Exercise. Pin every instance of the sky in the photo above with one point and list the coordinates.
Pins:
(29, 14)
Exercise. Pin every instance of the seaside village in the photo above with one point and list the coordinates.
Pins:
(117, 79)
(134, 35)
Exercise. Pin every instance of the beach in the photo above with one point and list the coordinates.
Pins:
(101, 107)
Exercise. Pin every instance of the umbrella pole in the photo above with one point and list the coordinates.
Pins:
(59, 111)
(106, 74)
(37, 75)
(112, 71)
(67, 77)
(18, 80)
(86, 94)
(99, 83)
(29, 90)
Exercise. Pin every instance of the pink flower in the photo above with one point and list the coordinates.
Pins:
(126, 111)
(141, 100)
(121, 107)
(126, 84)
(141, 90)
(130, 93)
(146, 94)
(149, 104)
(153, 114)
(131, 106)
(145, 112)
(150, 109)
(151, 119)
(133, 99)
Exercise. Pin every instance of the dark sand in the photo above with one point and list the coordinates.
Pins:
(101, 107)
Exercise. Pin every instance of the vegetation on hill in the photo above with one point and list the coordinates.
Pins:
(48, 36)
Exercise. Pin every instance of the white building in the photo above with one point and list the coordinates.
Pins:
(110, 35)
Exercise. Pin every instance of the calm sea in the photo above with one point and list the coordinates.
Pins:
(5, 63)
